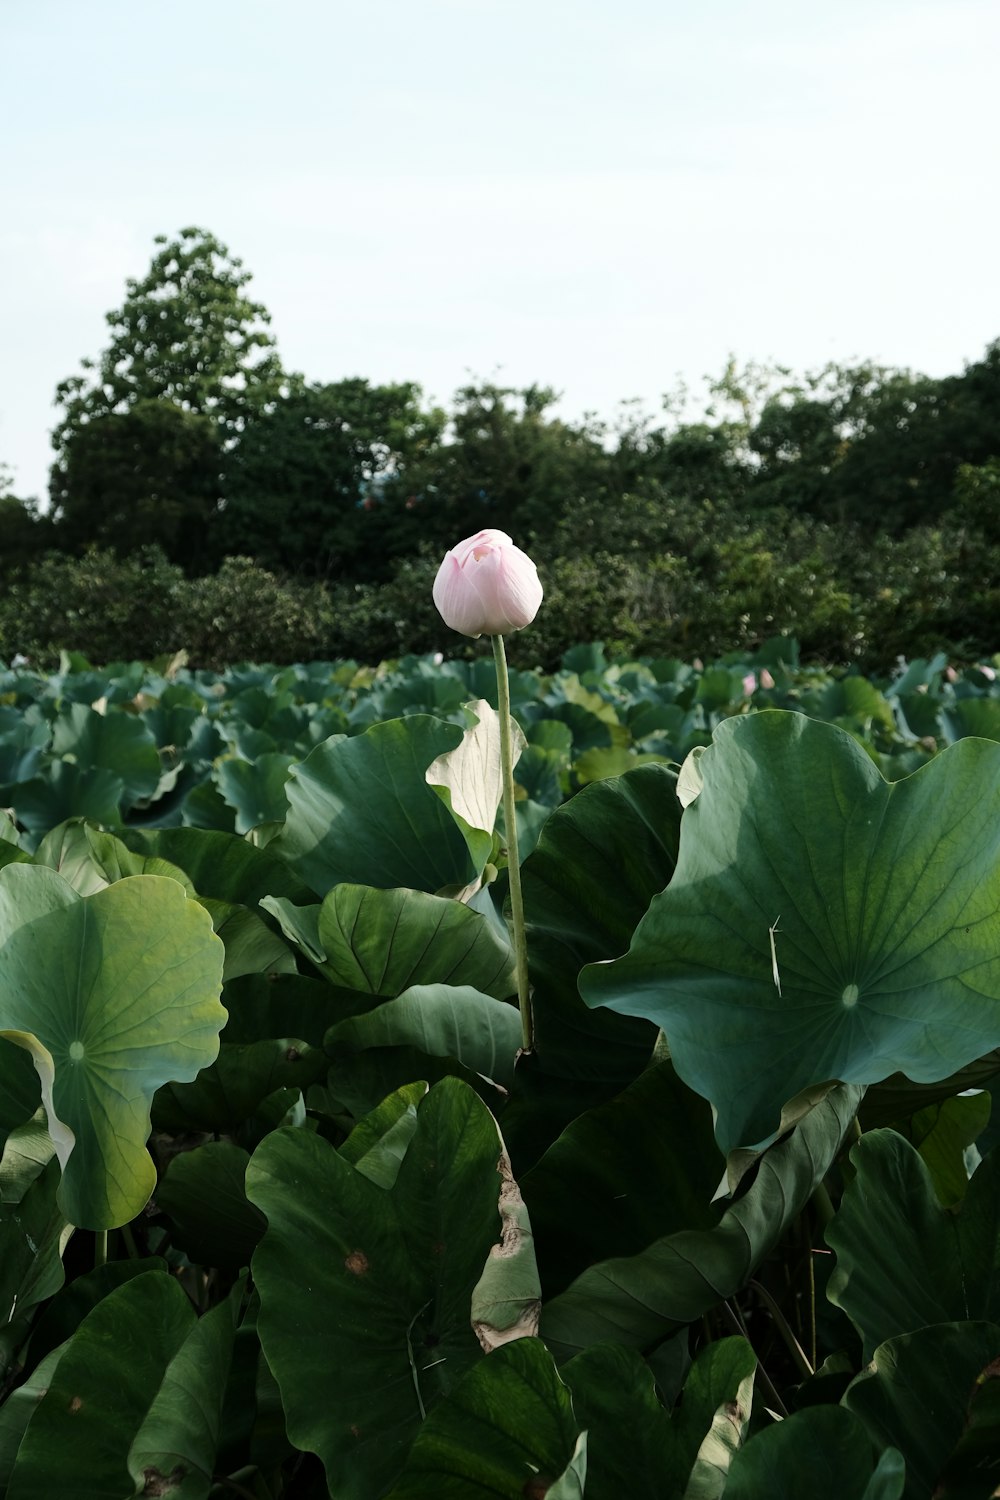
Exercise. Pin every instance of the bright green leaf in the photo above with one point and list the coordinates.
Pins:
(112, 995)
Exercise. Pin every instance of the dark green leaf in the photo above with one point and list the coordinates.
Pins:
(365, 1293)
(507, 1430)
(904, 1261)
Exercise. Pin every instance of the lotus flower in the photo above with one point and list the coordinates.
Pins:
(487, 586)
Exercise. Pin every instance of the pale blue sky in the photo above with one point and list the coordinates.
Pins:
(599, 197)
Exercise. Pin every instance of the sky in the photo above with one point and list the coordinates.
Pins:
(599, 197)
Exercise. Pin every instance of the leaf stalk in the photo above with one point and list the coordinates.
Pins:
(513, 863)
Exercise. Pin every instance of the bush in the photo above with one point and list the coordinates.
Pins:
(141, 607)
(102, 605)
(245, 613)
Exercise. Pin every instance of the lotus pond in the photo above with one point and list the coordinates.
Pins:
(286, 1213)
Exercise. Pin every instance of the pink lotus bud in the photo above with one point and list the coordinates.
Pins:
(750, 684)
(766, 680)
(487, 586)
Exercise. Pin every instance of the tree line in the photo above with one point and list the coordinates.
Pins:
(188, 436)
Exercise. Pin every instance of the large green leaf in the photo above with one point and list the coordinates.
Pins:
(902, 1259)
(173, 1452)
(17, 1411)
(599, 860)
(361, 810)
(365, 1293)
(219, 865)
(822, 923)
(507, 1430)
(646, 1165)
(629, 1434)
(255, 789)
(377, 1144)
(635, 1448)
(943, 1132)
(62, 1317)
(251, 946)
(91, 859)
(69, 791)
(112, 995)
(232, 1089)
(203, 1193)
(973, 1467)
(638, 1300)
(359, 1081)
(19, 1090)
(78, 1439)
(915, 1396)
(382, 941)
(33, 1236)
(115, 742)
(442, 1020)
(823, 1452)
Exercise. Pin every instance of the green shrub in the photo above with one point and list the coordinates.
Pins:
(114, 609)
(244, 612)
(107, 607)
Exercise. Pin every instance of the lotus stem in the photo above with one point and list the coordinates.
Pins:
(513, 865)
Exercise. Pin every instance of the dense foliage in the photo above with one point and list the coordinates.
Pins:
(856, 505)
(730, 1229)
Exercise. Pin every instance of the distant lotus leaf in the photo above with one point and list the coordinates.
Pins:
(256, 789)
(822, 923)
(112, 995)
(113, 742)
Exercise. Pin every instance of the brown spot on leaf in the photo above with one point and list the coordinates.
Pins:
(355, 1430)
(292, 1054)
(734, 1412)
(76, 1404)
(537, 1487)
(158, 1483)
(357, 1263)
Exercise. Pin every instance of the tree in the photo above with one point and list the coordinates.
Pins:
(875, 446)
(320, 483)
(148, 476)
(24, 532)
(506, 462)
(186, 336)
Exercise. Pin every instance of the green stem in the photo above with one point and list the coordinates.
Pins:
(513, 866)
(736, 1322)
(100, 1248)
(792, 1344)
